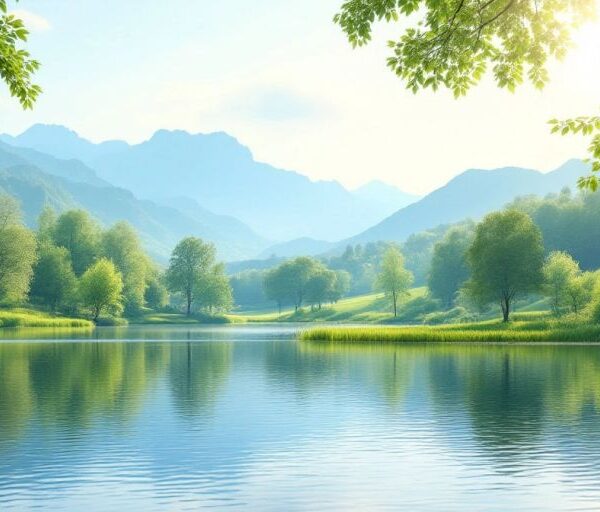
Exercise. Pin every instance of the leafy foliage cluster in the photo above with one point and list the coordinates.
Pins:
(452, 43)
(587, 126)
(305, 280)
(16, 65)
(393, 278)
(194, 273)
(504, 258)
(72, 264)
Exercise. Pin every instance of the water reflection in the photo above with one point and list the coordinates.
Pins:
(197, 372)
(215, 414)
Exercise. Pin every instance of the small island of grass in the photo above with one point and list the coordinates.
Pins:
(488, 331)
(31, 318)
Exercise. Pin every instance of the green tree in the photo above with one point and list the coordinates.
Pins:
(560, 270)
(297, 273)
(276, 287)
(122, 246)
(16, 65)
(46, 225)
(289, 281)
(190, 262)
(449, 269)
(393, 278)
(579, 290)
(54, 283)
(78, 233)
(248, 287)
(156, 295)
(341, 286)
(17, 252)
(506, 259)
(214, 291)
(320, 287)
(101, 288)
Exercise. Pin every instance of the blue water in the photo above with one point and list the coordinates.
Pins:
(247, 418)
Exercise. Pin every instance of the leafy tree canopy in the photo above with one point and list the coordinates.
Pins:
(393, 278)
(79, 234)
(16, 65)
(17, 252)
(560, 271)
(54, 282)
(449, 268)
(121, 245)
(506, 259)
(101, 287)
(451, 43)
(190, 263)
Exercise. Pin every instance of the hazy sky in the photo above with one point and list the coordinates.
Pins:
(280, 77)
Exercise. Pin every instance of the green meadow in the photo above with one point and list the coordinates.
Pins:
(31, 318)
(520, 330)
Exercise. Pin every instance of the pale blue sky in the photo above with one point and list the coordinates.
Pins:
(280, 77)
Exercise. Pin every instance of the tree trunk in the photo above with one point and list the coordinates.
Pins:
(505, 304)
(395, 308)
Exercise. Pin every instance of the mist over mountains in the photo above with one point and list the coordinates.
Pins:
(471, 194)
(177, 184)
(221, 175)
(68, 184)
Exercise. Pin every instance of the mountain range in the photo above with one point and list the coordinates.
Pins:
(221, 174)
(471, 195)
(177, 184)
(38, 180)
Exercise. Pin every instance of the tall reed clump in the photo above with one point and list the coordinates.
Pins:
(20, 318)
(482, 332)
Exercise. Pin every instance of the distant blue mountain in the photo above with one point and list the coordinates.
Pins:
(471, 194)
(385, 194)
(62, 143)
(297, 247)
(221, 175)
(65, 184)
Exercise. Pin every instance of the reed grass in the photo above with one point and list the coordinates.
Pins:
(492, 331)
(28, 318)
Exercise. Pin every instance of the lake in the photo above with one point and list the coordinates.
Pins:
(244, 417)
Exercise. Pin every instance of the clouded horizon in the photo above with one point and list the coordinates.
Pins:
(283, 80)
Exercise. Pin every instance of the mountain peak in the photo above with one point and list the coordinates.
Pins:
(48, 130)
(377, 190)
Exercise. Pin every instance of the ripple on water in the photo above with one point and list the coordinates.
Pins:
(248, 419)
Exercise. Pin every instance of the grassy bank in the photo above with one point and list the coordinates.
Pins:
(31, 318)
(181, 319)
(490, 331)
(370, 308)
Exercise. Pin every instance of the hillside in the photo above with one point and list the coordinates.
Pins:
(471, 194)
(385, 194)
(159, 226)
(221, 175)
(299, 246)
(372, 307)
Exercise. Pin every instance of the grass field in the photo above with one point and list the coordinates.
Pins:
(520, 330)
(31, 318)
(371, 308)
(179, 319)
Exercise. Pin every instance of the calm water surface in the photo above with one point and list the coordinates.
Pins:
(246, 418)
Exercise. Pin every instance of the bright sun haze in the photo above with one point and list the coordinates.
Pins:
(282, 78)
